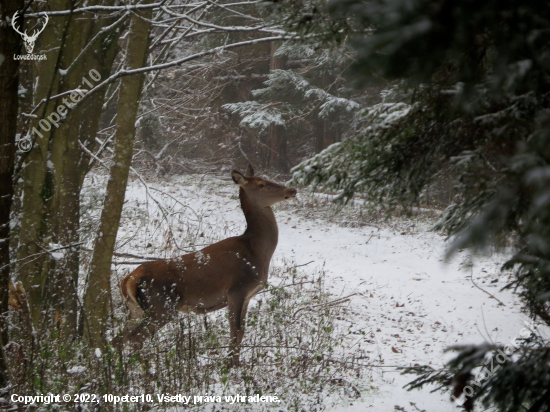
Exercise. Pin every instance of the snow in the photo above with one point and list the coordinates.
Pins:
(334, 104)
(55, 251)
(57, 255)
(76, 369)
(408, 301)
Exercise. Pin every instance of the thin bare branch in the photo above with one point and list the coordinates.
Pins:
(178, 62)
(91, 43)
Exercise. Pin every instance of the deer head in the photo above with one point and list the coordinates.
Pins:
(261, 191)
(29, 40)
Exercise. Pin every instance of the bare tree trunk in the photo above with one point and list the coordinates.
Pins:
(324, 134)
(319, 132)
(10, 44)
(277, 156)
(70, 164)
(36, 176)
(98, 295)
(54, 170)
(277, 148)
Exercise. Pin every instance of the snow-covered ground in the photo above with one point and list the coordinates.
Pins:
(411, 304)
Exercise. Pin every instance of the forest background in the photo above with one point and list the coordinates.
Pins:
(432, 103)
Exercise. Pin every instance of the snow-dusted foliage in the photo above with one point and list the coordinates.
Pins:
(295, 51)
(288, 95)
(335, 105)
(345, 166)
(255, 115)
(282, 81)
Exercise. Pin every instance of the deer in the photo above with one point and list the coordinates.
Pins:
(225, 274)
(29, 40)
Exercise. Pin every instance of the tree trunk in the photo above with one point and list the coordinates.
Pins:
(325, 135)
(70, 164)
(277, 156)
(277, 159)
(98, 295)
(36, 176)
(10, 44)
(54, 170)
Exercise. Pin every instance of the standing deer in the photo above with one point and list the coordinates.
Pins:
(228, 273)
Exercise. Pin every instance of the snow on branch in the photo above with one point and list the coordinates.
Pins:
(114, 9)
(57, 96)
(95, 9)
(256, 115)
(222, 28)
(160, 38)
(337, 104)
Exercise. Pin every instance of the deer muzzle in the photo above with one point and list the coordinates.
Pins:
(290, 193)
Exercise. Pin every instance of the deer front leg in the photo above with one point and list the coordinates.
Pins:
(237, 312)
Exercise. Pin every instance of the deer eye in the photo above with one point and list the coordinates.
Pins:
(261, 185)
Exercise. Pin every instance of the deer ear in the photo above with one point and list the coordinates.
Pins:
(249, 171)
(238, 178)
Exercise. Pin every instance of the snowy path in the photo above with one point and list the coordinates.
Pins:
(410, 304)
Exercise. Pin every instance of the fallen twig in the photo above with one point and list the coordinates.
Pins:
(483, 290)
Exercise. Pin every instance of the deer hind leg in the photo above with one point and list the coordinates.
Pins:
(238, 306)
(145, 330)
(134, 309)
(158, 302)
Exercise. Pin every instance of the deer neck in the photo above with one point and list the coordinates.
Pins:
(261, 228)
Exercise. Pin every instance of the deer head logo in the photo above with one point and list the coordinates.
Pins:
(29, 40)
